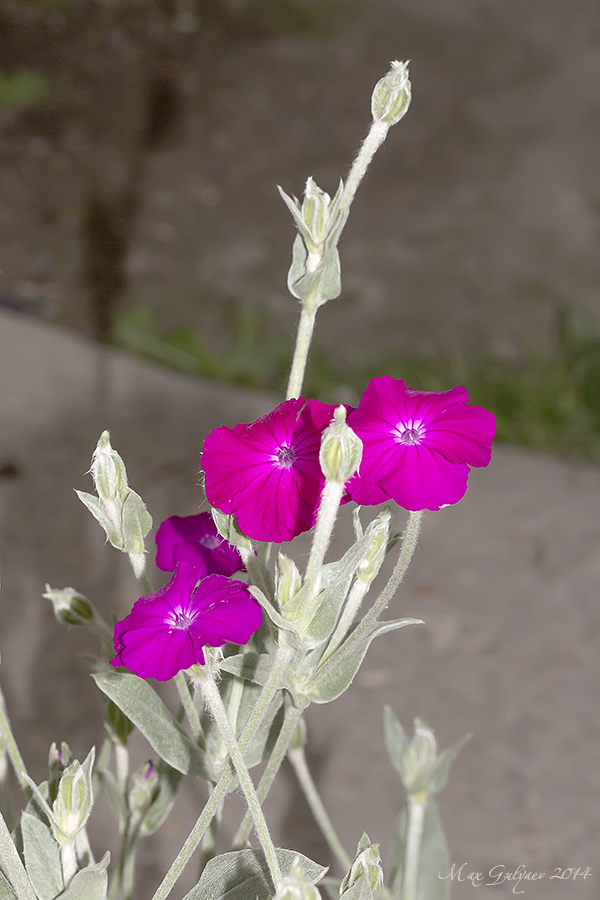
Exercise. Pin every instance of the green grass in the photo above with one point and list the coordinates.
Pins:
(547, 403)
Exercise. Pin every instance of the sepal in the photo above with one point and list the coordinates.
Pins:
(364, 881)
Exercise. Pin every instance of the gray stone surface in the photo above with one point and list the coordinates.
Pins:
(507, 582)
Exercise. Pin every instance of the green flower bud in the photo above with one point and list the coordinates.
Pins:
(288, 580)
(142, 789)
(423, 771)
(74, 800)
(366, 867)
(341, 449)
(58, 760)
(420, 754)
(391, 96)
(296, 886)
(315, 216)
(379, 529)
(108, 470)
(120, 511)
(69, 606)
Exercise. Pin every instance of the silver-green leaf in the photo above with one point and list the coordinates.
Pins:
(244, 875)
(143, 706)
(42, 857)
(90, 883)
(434, 859)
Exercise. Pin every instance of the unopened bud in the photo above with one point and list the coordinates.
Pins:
(391, 96)
(315, 216)
(366, 868)
(142, 789)
(69, 606)
(58, 760)
(296, 886)
(121, 512)
(108, 470)
(341, 449)
(288, 580)
(74, 800)
(379, 529)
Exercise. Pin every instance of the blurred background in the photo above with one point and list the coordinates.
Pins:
(141, 146)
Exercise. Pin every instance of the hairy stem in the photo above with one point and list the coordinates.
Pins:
(297, 758)
(281, 663)
(416, 816)
(292, 717)
(217, 707)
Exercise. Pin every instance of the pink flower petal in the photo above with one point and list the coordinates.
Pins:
(267, 473)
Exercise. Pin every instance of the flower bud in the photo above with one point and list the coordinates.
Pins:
(74, 800)
(365, 868)
(315, 216)
(69, 606)
(108, 470)
(121, 512)
(341, 449)
(296, 886)
(379, 529)
(288, 580)
(422, 770)
(391, 96)
(58, 760)
(420, 754)
(142, 788)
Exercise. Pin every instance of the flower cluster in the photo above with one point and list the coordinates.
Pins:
(417, 450)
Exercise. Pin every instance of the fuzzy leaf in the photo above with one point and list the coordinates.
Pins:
(89, 884)
(6, 892)
(244, 875)
(337, 673)
(136, 523)
(98, 510)
(335, 583)
(434, 859)
(143, 706)
(42, 857)
(168, 784)
(396, 739)
(325, 282)
(255, 667)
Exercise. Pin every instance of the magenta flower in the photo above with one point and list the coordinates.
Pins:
(195, 540)
(418, 445)
(267, 473)
(166, 631)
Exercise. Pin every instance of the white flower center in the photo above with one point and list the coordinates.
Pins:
(285, 457)
(409, 433)
(181, 620)
(211, 541)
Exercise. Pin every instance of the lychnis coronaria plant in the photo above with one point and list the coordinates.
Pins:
(251, 635)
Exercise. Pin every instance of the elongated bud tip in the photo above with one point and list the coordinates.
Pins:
(341, 449)
(391, 96)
